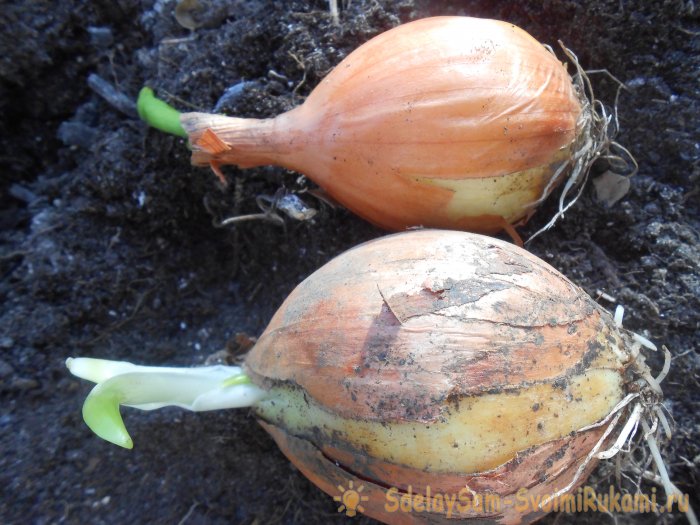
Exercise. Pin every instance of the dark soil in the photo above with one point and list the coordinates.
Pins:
(110, 249)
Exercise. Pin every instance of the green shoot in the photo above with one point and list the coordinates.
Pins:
(158, 114)
(151, 387)
(240, 379)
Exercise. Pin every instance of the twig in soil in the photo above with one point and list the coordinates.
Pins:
(112, 95)
(687, 31)
(182, 101)
(14, 254)
(279, 76)
(272, 217)
(302, 66)
(175, 41)
(22, 193)
(600, 294)
(254, 293)
(188, 514)
(333, 7)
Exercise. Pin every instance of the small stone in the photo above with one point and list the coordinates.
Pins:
(76, 134)
(611, 187)
(6, 369)
(75, 455)
(100, 36)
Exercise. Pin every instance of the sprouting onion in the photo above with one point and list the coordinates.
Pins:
(430, 358)
(450, 122)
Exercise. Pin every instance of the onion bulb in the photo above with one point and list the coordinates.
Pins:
(432, 361)
(448, 122)
(425, 363)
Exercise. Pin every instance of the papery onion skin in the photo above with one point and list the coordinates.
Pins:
(439, 359)
(450, 122)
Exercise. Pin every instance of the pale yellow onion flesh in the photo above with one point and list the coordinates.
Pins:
(477, 435)
(432, 123)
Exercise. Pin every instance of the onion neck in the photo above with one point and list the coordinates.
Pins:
(245, 142)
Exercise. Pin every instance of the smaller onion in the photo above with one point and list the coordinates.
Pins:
(449, 122)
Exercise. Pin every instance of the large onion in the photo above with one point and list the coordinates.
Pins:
(443, 360)
(451, 122)
(428, 363)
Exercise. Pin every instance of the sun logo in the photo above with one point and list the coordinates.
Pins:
(350, 499)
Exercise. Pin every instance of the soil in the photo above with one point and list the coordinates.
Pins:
(110, 245)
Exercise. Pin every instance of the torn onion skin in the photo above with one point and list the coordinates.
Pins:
(448, 122)
(440, 359)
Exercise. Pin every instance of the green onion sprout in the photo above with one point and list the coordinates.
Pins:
(151, 387)
(159, 114)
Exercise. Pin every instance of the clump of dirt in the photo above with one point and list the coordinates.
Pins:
(110, 244)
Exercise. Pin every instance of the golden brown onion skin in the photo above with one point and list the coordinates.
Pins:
(397, 339)
(450, 122)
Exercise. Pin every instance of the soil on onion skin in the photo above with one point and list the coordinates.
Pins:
(110, 246)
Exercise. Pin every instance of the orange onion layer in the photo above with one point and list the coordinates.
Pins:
(440, 362)
(450, 122)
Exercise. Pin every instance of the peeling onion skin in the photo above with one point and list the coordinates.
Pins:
(441, 359)
(447, 122)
